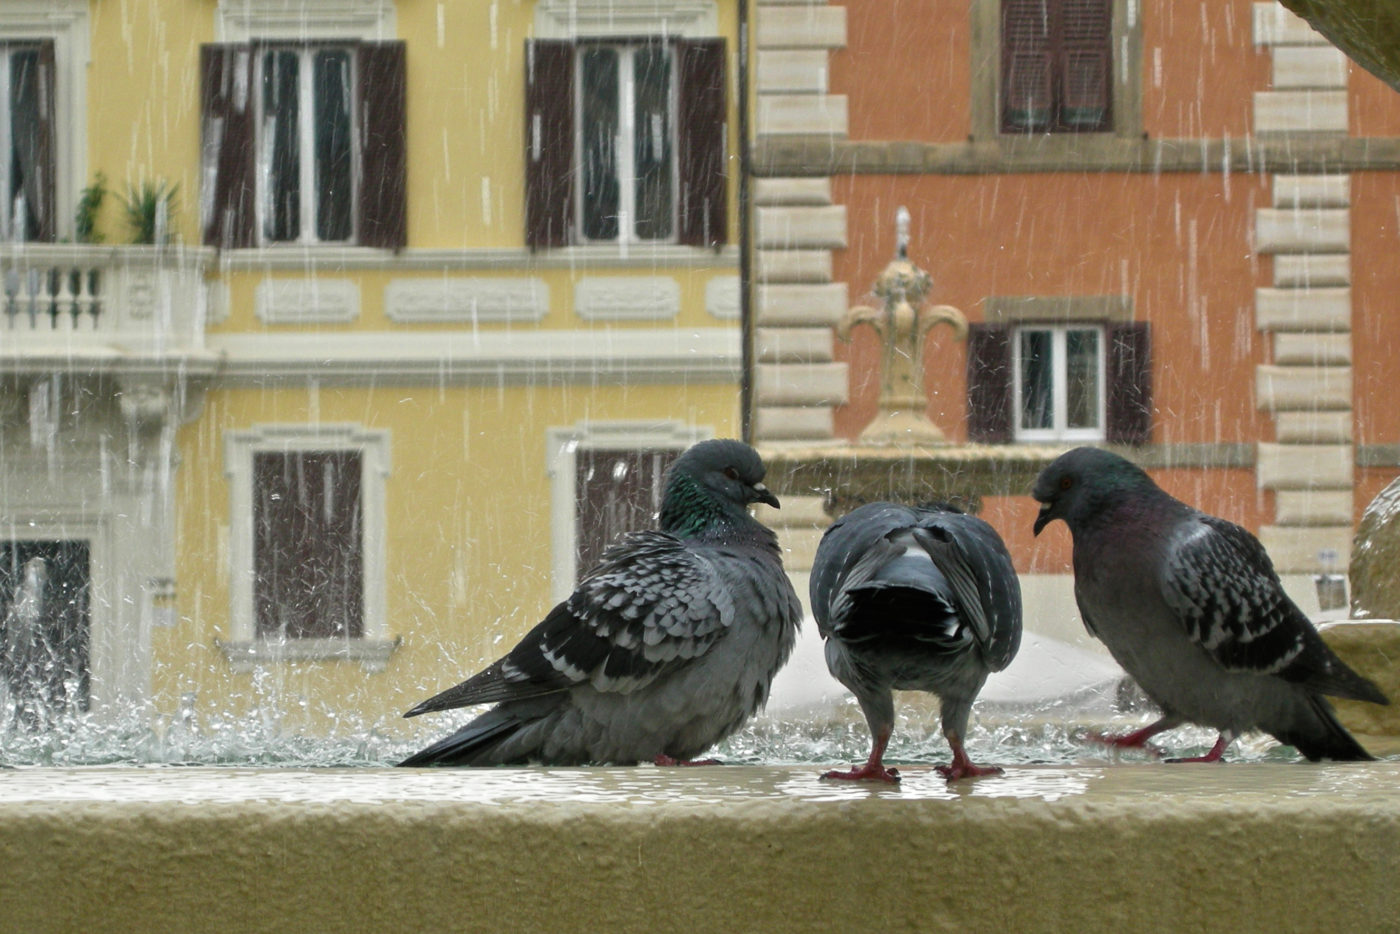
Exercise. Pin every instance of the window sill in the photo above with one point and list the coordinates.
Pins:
(245, 655)
(342, 258)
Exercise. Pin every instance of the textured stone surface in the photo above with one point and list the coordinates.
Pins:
(1239, 847)
(1372, 648)
(1375, 558)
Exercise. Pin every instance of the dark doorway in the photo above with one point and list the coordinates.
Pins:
(45, 627)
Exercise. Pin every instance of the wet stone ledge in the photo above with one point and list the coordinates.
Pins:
(1112, 846)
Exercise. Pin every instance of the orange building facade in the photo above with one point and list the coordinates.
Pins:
(1215, 178)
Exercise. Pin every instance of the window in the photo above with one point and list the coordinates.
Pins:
(1032, 381)
(26, 136)
(1056, 66)
(1058, 383)
(605, 479)
(306, 543)
(303, 143)
(305, 128)
(308, 539)
(625, 142)
(618, 491)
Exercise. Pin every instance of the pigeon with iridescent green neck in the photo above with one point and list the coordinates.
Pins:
(1191, 607)
(665, 648)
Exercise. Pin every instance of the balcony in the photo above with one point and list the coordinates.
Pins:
(103, 309)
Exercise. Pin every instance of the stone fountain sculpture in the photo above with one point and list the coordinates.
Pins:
(901, 455)
(903, 322)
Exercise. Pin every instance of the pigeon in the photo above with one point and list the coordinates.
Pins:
(1191, 607)
(665, 648)
(915, 598)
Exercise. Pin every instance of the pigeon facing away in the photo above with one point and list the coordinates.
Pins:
(1191, 607)
(921, 599)
(667, 646)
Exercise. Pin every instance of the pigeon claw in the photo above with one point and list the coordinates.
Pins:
(871, 771)
(666, 761)
(967, 770)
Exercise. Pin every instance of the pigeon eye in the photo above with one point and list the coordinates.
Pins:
(731, 473)
(1066, 482)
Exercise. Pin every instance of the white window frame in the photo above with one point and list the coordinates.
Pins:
(66, 23)
(306, 144)
(1059, 384)
(561, 466)
(625, 144)
(246, 649)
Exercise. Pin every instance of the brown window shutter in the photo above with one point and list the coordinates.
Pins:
(40, 163)
(549, 143)
(1085, 49)
(989, 387)
(702, 142)
(1027, 81)
(226, 145)
(308, 545)
(383, 181)
(1129, 367)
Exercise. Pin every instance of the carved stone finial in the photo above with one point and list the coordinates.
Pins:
(903, 322)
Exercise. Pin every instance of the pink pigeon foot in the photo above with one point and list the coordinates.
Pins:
(962, 766)
(872, 771)
(1215, 753)
(665, 761)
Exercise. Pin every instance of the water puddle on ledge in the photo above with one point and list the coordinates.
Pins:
(1255, 783)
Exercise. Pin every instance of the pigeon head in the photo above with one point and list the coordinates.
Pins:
(713, 479)
(1079, 483)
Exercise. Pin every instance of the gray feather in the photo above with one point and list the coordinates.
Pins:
(912, 598)
(666, 647)
(1191, 607)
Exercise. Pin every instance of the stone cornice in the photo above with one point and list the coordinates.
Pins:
(499, 259)
(611, 356)
(820, 156)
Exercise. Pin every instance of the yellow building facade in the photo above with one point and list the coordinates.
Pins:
(432, 275)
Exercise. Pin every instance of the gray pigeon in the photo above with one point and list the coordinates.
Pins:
(667, 646)
(1191, 607)
(922, 599)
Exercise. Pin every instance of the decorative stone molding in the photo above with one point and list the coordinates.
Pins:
(1010, 309)
(722, 297)
(314, 300)
(466, 300)
(569, 19)
(239, 448)
(242, 20)
(151, 402)
(627, 298)
(468, 356)
(372, 654)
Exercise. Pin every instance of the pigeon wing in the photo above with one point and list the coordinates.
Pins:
(1223, 587)
(970, 554)
(650, 606)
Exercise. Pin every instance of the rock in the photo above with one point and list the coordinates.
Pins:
(1372, 647)
(1375, 554)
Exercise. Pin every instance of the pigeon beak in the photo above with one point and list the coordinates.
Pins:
(1042, 520)
(764, 495)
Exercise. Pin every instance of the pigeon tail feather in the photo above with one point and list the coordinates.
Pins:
(467, 744)
(1324, 737)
